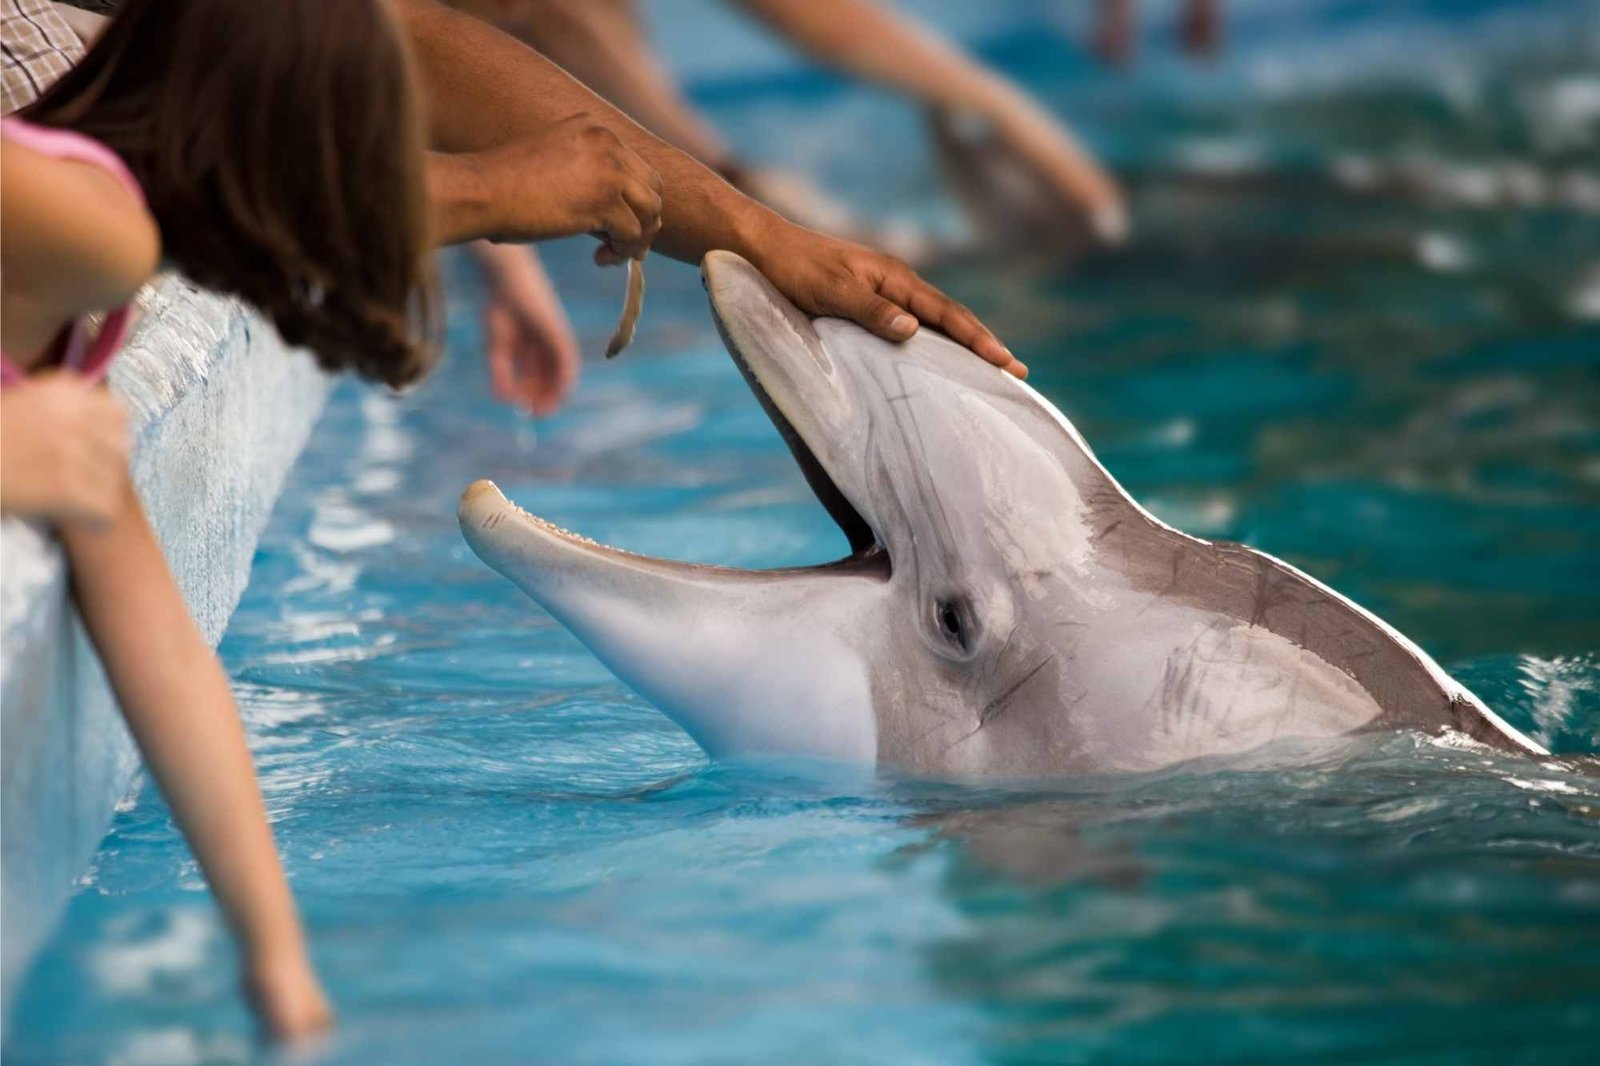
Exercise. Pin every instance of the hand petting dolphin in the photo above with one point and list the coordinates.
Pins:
(1006, 609)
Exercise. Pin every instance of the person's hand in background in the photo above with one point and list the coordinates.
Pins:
(1114, 37)
(287, 997)
(63, 449)
(1055, 155)
(529, 345)
(1201, 28)
(1116, 29)
(870, 40)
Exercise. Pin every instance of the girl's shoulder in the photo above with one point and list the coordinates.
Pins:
(70, 145)
(77, 232)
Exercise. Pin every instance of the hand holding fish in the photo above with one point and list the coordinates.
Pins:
(574, 177)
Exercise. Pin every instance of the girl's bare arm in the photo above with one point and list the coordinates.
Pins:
(76, 240)
(181, 712)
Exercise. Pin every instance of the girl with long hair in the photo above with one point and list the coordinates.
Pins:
(269, 151)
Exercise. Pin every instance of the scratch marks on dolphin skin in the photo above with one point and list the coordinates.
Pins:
(916, 741)
(932, 502)
(1000, 655)
(1263, 599)
(1105, 532)
(997, 706)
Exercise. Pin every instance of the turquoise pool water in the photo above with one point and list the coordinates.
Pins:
(506, 857)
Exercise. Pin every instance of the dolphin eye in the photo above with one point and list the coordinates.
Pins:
(950, 625)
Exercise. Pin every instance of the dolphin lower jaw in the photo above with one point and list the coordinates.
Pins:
(795, 695)
(743, 660)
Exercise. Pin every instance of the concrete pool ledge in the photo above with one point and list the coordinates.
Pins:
(220, 409)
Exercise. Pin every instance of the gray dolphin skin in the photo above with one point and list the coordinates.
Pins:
(1006, 609)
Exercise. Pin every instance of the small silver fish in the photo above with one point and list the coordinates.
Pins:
(632, 304)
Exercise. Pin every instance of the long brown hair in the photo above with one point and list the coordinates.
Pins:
(280, 149)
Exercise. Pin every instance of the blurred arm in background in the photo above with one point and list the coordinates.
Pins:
(487, 94)
(529, 345)
(865, 39)
(602, 43)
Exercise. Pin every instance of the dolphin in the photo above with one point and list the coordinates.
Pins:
(1006, 609)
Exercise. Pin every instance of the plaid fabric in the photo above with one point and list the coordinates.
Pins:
(36, 47)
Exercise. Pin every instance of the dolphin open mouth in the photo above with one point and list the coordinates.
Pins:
(863, 540)
(484, 510)
(502, 532)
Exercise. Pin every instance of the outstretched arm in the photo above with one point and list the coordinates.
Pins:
(179, 708)
(529, 345)
(867, 40)
(602, 44)
(485, 90)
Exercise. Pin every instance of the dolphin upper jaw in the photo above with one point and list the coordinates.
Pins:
(803, 389)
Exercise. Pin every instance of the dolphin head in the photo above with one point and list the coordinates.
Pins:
(942, 643)
(978, 497)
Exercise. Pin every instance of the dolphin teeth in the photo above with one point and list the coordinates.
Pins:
(561, 531)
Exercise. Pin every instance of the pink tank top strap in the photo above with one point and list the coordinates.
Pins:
(68, 144)
(88, 355)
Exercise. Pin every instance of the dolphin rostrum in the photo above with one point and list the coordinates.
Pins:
(1006, 609)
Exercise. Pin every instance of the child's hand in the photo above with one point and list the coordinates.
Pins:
(63, 450)
(288, 998)
(529, 345)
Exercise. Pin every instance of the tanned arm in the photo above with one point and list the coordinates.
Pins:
(486, 90)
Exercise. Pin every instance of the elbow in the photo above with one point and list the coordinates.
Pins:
(130, 258)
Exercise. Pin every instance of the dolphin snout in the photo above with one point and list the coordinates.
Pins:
(482, 506)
